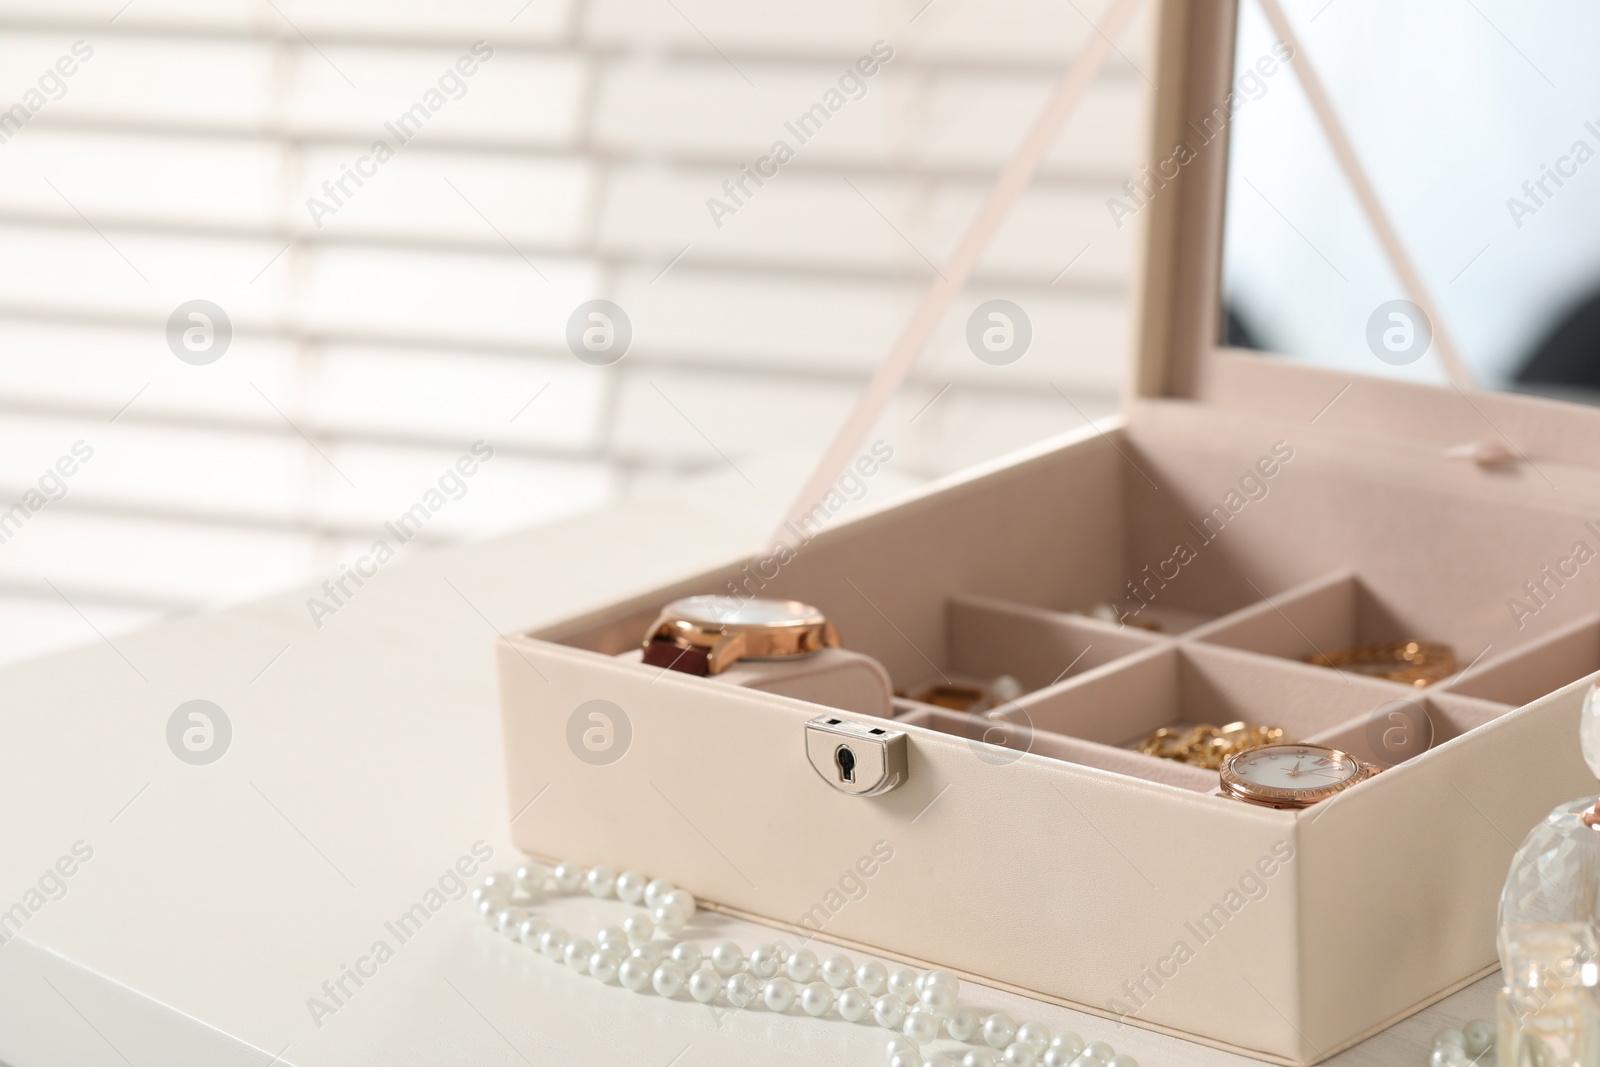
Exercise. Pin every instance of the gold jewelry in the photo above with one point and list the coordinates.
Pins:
(968, 696)
(1291, 775)
(1414, 663)
(1205, 745)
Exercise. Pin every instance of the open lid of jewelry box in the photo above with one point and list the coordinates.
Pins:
(1315, 230)
(1313, 238)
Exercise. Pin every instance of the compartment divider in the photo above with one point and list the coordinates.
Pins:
(1411, 725)
(1039, 647)
(1529, 671)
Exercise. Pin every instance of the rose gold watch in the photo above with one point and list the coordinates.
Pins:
(706, 634)
(1291, 775)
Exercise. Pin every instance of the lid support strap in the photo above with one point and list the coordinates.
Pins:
(1018, 172)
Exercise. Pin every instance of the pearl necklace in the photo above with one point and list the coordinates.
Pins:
(918, 1007)
(1462, 1048)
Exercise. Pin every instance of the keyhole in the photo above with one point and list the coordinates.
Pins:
(847, 763)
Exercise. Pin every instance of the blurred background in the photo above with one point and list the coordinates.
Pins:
(167, 151)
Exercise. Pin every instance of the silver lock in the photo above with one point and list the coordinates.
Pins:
(856, 758)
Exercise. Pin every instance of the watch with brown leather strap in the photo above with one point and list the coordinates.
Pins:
(704, 635)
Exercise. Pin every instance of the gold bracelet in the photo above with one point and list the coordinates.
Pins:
(1414, 663)
(1205, 745)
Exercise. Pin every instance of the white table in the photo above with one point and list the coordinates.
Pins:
(364, 761)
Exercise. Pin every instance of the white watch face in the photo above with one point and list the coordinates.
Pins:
(713, 611)
(1295, 767)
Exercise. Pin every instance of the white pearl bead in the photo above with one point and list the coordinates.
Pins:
(630, 887)
(1019, 1055)
(871, 978)
(650, 954)
(1100, 1051)
(633, 974)
(921, 1027)
(704, 984)
(816, 999)
(801, 965)
(666, 920)
(568, 876)
(1053, 1058)
(553, 942)
(488, 907)
(779, 994)
(1448, 1056)
(853, 1005)
(939, 980)
(837, 971)
(741, 989)
(603, 964)
(898, 1047)
(727, 958)
(498, 885)
(765, 961)
(890, 1011)
(612, 937)
(1123, 1060)
(1035, 1035)
(508, 921)
(898, 1044)
(978, 1057)
(906, 1059)
(668, 979)
(681, 903)
(529, 877)
(577, 954)
(655, 890)
(999, 1030)
(529, 929)
(937, 999)
(961, 1024)
(1066, 1045)
(1479, 1036)
(903, 983)
(1450, 1036)
(686, 954)
(600, 880)
(638, 928)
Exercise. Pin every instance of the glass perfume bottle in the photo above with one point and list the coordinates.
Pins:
(1549, 931)
(1547, 1012)
(1555, 875)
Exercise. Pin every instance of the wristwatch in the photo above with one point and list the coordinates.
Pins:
(1291, 775)
(706, 634)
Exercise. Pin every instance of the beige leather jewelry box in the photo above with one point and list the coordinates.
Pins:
(1257, 525)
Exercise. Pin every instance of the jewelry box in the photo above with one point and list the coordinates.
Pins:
(1261, 512)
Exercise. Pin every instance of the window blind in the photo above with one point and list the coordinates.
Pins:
(204, 151)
